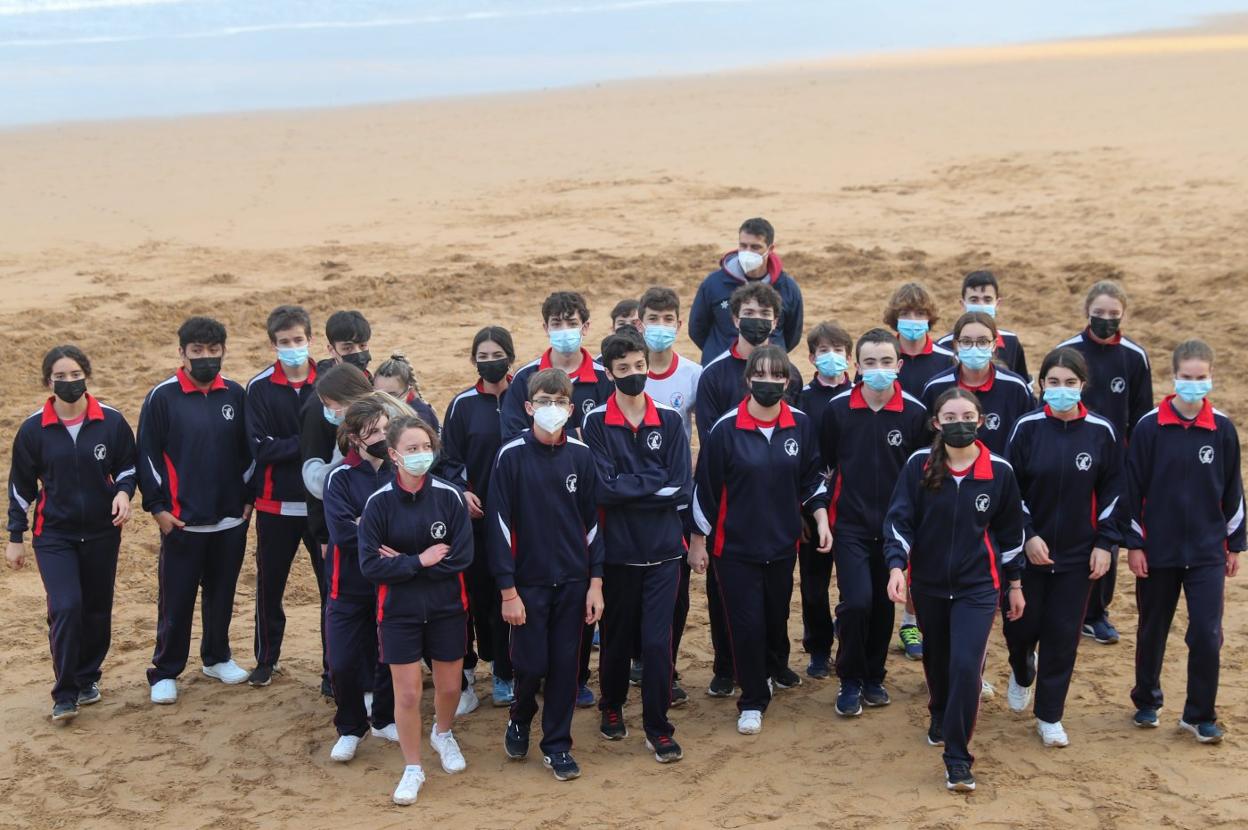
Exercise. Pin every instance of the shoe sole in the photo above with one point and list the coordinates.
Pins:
(741, 731)
(960, 787)
(1055, 744)
(1106, 642)
(1145, 724)
(1187, 727)
(930, 742)
(785, 688)
(403, 802)
(515, 756)
(64, 717)
(499, 703)
(710, 693)
(90, 701)
(216, 676)
(678, 702)
(669, 759)
(914, 657)
(256, 685)
(560, 776)
(618, 737)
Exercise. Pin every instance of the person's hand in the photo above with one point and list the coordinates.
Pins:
(248, 509)
(15, 555)
(121, 508)
(1017, 603)
(434, 554)
(825, 532)
(897, 585)
(1100, 563)
(593, 602)
(1137, 562)
(513, 610)
(698, 560)
(805, 537)
(475, 510)
(1037, 551)
(168, 522)
(1232, 563)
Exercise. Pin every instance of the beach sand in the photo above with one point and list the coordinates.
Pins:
(1053, 165)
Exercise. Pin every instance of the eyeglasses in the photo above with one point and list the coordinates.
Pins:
(967, 343)
(539, 402)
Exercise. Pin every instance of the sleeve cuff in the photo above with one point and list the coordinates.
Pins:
(16, 536)
(505, 582)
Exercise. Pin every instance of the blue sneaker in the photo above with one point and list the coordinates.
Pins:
(504, 692)
(820, 667)
(911, 641)
(849, 699)
(1146, 718)
(1207, 732)
(584, 698)
(874, 694)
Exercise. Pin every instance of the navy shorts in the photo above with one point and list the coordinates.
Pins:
(403, 641)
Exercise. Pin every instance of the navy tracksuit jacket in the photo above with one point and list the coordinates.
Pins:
(1070, 474)
(1009, 351)
(956, 544)
(1005, 396)
(590, 387)
(1120, 380)
(722, 387)
(72, 484)
(917, 369)
(710, 317)
(1186, 499)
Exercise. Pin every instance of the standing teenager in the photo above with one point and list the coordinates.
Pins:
(911, 312)
(982, 292)
(74, 460)
(395, 376)
(347, 334)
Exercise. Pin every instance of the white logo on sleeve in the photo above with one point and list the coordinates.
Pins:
(1118, 385)
(791, 446)
(982, 502)
(1206, 454)
(654, 440)
(723, 304)
(438, 530)
(100, 451)
(894, 438)
(1083, 462)
(588, 406)
(227, 412)
(571, 482)
(992, 421)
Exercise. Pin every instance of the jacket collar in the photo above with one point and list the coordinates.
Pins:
(986, 386)
(584, 373)
(748, 422)
(94, 412)
(857, 400)
(1081, 413)
(615, 416)
(279, 374)
(1167, 416)
(189, 387)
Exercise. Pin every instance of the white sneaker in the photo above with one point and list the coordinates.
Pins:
(986, 692)
(471, 676)
(448, 750)
(390, 733)
(165, 691)
(368, 703)
(229, 673)
(750, 722)
(344, 750)
(1052, 733)
(1017, 696)
(409, 785)
(468, 702)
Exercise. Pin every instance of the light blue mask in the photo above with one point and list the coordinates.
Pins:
(332, 416)
(660, 338)
(879, 379)
(1192, 391)
(990, 310)
(565, 341)
(296, 356)
(418, 463)
(831, 364)
(975, 357)
(912, 329)
(1062, 398)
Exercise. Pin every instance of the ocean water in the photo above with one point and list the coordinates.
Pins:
(92, 59)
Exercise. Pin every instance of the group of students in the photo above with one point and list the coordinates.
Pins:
(559, 504)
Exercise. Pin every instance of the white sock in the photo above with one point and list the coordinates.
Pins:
(908, 619)
(441, 734)
(412, 768)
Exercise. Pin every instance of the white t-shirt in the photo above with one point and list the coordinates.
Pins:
(677, 388)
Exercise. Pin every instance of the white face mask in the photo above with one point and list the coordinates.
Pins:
(550, 418)
(748, 260)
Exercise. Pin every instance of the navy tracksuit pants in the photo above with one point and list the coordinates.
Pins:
(78, 577)
(485, 612)
(277, 541)
(547, 647)
(1157, 597)
(639, 596)
(755, 598)
(351, 648)
(955, 639)
(1103, 592)
(720, 642)
(864, 616)
(815, 568)
(187, 561)
(1052, 620)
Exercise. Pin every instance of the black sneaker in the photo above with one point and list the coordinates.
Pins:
(935, 734)
(89, 695)
(613, 727)
(563, 765)
(786, 678)
(64, 711)
(665, 749)
(261, 675)
(1146, 718)
(820, 667)
(1207, 732)
(849, 699)
(634, 673)
(958, 778)
(874, 694)
(721, 687)
(679, 696)
(326, 689)
(516, 740)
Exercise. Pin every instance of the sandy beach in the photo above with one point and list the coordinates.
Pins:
(1054, 165)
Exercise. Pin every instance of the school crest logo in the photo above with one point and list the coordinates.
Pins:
(654, 440)
(588, 406)
(1118, 385)
(1083, 462)
(677, 400)
(894, 438)
(438, 530)
(100, 451)
(982, 502)
(571, 483)
(724, 304)
(791, 446)
(992, 421)
(227, 412)
(1206, 454)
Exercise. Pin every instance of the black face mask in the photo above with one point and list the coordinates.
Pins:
(377, 449)
(768, 393)
(755, 330)
(359, 360)
(204, 369)
(1104, 327)
(70, 390)
(631, 385)
(492, 371)
(959, 434)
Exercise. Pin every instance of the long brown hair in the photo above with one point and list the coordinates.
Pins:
(938, 462)
(363, 413)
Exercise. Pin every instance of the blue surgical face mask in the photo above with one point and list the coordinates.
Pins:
(1192, 391)
(831, 364)
(1062, 398)
(975, 357)
(990, 310)
(659, 338)
(295, 356)
(418, 463)
(913, 329)
(565, 341)
(332, 416)
(879, 379)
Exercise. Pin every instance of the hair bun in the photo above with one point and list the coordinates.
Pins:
(398, 356)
